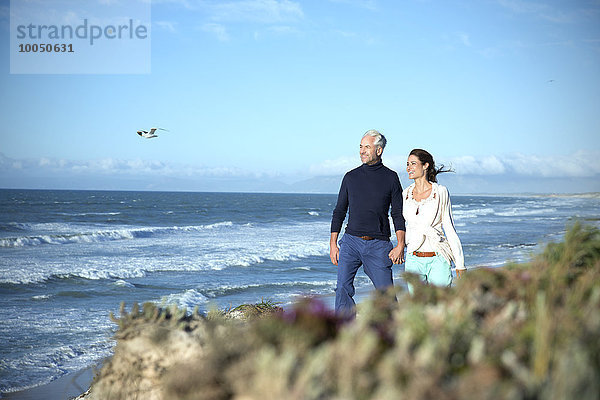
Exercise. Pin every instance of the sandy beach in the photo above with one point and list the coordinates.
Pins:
(66, 387)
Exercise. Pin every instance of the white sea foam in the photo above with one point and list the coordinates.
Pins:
(41, 297)
(232, 288)
(187, 299)
(87, 214)
(491, 264)
(100, 236)
(191, 248)
(314, 213)
(104, 271)
(124, 283)
(45, 226)
(212, 226)
(516, 245)
(474, 213)
(522, 211)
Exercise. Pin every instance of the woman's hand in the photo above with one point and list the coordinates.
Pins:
(397, 254)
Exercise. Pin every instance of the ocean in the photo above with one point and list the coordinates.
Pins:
(69, 258)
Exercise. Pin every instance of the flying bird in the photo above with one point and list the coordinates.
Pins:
(151, 134)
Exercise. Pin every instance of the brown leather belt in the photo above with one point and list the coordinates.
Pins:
(366, 237)
(424, 253)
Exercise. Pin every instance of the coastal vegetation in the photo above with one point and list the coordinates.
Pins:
(524, 331)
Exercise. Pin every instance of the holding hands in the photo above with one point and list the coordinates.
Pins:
(397, 254)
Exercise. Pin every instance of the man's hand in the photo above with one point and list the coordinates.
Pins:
(397, 254)
(334, 254)
(460, 272)
(334, 250)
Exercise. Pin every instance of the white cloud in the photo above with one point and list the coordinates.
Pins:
(345, 34)
(581, 164)
(113, 166)
(545, 11)
(190, 5)
(218, 30)
(523, 7)
(334, 167)
(367, 4)
(262, 11)
(456, 40)
(470, 165)
(491, 52)
(166, 25)
(217, 16)
(577, 165)
(284, 30)
(582, 167)
(493, 165)
(464, 38)
(44, 162)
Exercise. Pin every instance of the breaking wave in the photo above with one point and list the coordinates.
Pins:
(104, 235)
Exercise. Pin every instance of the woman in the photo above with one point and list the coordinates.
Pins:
(431, 240)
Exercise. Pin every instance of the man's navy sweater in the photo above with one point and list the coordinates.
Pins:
(367, 192)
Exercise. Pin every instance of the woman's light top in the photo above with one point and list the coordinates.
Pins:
(429, 224)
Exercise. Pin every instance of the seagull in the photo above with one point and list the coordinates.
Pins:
(151, 134)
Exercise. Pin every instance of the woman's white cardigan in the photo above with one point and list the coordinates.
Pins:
(432, 227)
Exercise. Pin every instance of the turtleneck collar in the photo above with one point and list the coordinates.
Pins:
(373, 167)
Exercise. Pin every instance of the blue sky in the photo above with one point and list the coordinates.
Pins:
(274, 95)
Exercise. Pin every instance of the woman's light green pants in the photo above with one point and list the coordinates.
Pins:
(432, 270)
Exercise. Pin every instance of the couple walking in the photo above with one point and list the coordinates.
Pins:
(421, 215)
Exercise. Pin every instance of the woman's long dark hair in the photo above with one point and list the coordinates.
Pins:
(425, 157)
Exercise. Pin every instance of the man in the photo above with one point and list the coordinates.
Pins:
(367, 192)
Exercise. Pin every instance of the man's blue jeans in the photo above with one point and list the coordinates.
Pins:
(373, 255)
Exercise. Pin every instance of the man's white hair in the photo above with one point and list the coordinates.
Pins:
(380, 140)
